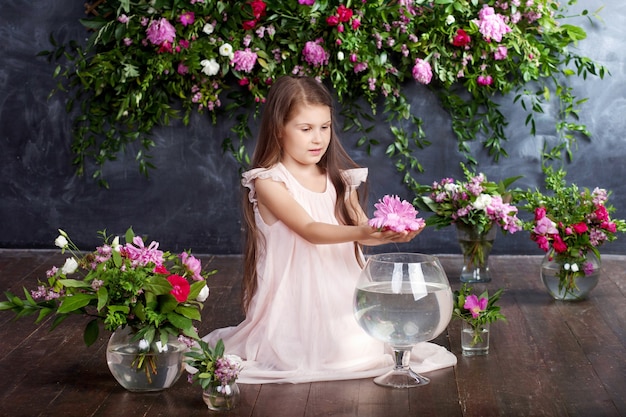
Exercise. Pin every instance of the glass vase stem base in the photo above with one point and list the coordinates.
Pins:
(401, 378)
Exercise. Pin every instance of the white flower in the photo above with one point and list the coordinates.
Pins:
(227, 50)
(208, 28)
(574, 267)
(160, 347)
(116, 244)
(61, 242)
(482, 201)
(566, 267)
(340, 56)
(451, 188)
(143, 345)
(70, 266)
(203, 295)
(210, 67)
(450, 20)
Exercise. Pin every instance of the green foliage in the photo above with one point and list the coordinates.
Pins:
(121, 85)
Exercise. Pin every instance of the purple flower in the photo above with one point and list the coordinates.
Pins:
(474, 305)
(314, 54)
(422, 71)
(393, 214)
(141, 255)
(244, 60)
(306, 2)
(161, 31)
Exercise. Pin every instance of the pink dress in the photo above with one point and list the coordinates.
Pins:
(300, 326)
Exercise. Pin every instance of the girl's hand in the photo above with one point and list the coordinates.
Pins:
(377, 237)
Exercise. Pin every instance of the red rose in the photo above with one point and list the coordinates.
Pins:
(258, 8)
(332, 20)
(180, 287)
(249, 24)
(580, 227)
(461, 38)
(343, 13)
(558, 244)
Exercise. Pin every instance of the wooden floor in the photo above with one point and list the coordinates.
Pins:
(550, 358)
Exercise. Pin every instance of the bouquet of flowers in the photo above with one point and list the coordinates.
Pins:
(135, 285)
(475, 203)
(476, 310)
(395, 214)
(570, 223)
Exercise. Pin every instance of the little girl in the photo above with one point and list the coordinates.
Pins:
(305, 225)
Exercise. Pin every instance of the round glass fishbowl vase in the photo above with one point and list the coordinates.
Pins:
(568, 281)
(139, 367)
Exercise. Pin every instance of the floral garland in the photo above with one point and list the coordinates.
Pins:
(148, 62)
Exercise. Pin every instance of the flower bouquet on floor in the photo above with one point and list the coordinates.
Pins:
(477, 312)
(474, 206)
(216, 374)
(148, 298)
(570, 225)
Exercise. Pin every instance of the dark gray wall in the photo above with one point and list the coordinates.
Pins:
(192, 199)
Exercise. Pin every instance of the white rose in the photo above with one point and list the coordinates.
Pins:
(566, 267)
(450, 20)
(340, 56)
(143, 345)
(61, 242)
(203, 295)
(574, 267)
(210, 67)
(208, 28)
(69, 266)
(226, 50)
(482, 201)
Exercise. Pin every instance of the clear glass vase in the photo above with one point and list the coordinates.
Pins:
(476, 248)
(474, 339)
(570, 281)
(142, 368)
(222, 397)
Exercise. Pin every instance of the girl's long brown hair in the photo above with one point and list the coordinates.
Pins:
(284, 97)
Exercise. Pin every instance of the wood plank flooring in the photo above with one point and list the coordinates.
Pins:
(549, 359)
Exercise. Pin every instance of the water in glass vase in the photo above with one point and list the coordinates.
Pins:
(159, 370)
(398, 317)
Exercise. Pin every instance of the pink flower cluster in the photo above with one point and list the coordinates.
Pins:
(491, 24)
(314, 53)
(226, 369)
(395, 214)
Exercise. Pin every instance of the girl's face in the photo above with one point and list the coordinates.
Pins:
(306, 136)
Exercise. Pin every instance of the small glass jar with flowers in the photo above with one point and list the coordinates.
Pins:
(570, 225)
(477, 207)
(216, 374)
(148, 298)
(476, 312)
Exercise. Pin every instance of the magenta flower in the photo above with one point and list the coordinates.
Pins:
(186, 18)
(393, 214)
(475, 305)
(422, 71)
(314, 54)
(244, 60)
(180, 288)
(306, 2)
(161, 31)
(484, 80)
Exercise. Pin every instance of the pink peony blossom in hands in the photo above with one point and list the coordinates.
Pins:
(395, 214)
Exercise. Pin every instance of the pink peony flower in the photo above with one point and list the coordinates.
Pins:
(314, 54)
(422, 71)
(491, 25)
(244, 60)
(160, 31)
(395, 214)
(501, 53)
